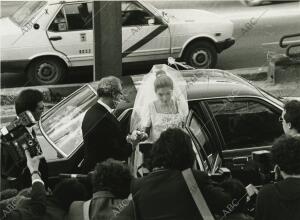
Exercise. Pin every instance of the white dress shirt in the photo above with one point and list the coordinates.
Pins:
(109, 109)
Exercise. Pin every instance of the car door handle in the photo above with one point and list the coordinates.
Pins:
(55, 38)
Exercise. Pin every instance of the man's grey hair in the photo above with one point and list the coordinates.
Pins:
(108, 86)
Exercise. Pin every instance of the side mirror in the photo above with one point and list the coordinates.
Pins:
(36, 26)
(151, 21)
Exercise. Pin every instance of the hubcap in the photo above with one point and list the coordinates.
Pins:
(46, 72)
(201, 58)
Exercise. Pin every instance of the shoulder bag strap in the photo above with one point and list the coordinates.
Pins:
(197, 195)
(86, 207)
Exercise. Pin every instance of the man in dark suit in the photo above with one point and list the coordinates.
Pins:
(102, 134)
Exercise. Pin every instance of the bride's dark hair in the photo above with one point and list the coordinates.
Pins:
(162, 80)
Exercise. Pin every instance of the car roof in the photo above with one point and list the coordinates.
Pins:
(212, 83)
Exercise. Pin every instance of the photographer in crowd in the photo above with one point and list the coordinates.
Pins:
(164, 194)
(28, 100)
(282, 200)
(40, 204)
(290, 118)
(37, 207)
(111, 181)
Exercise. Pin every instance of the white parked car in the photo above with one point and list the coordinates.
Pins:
(45, 38)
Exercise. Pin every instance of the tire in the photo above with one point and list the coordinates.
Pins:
(46, 71)
(201, 54)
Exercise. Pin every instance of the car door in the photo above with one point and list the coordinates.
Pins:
(61, 128)
(71, 33)
(60, 133)
(208, 159)
(245, 125)
(145, 36)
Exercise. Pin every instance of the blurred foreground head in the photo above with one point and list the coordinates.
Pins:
(286, 154)
(68, 191)
(113, 176)
(173, 150)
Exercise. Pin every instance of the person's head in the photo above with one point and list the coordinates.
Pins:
(68, 191)
(291, 118)
(163, 86)
(30, 100)
(238, 194)
(113, 176)
(173, 150)
(110, 90)
(286, 155)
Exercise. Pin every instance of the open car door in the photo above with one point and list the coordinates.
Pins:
(61, 129)
(207, 159)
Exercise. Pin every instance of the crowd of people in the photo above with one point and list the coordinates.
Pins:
(172, 189)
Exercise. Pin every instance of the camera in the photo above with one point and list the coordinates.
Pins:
(15, 138)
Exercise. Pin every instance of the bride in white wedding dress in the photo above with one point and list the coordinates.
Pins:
(161, 103)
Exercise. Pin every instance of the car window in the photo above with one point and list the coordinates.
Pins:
(246, 123)
(73, 17)
(62, 125)
(204, 149)
(133, 14)
(27, 11)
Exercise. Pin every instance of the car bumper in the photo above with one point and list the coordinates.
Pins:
(222, 45)
(15, 66)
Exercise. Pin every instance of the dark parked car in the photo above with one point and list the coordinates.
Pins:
(229, 118)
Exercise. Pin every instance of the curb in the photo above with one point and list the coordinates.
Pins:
(253, 73)
(54, 93)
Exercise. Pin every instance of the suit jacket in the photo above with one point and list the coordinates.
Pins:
(103, 138)
(35, 209)
(164, 195)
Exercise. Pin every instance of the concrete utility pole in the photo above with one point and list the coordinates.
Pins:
(107, 39)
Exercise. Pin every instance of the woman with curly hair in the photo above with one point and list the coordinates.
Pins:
(111, 181)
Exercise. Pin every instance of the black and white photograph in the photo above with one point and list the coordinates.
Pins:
(150, 110)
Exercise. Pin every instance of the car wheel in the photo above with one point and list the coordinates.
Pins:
(46, 71)
(201, 55)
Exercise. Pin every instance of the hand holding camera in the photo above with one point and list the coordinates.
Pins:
(32, 162)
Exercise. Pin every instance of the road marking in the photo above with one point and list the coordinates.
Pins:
(277, 42)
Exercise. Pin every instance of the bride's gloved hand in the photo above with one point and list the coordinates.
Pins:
(136, 136)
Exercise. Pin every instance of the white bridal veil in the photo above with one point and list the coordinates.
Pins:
(146, 94)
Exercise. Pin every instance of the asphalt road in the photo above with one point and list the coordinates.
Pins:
(257, 32)
(257, 29)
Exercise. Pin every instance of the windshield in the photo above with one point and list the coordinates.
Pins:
(62, 125)
(154, 10)
(26, 11)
